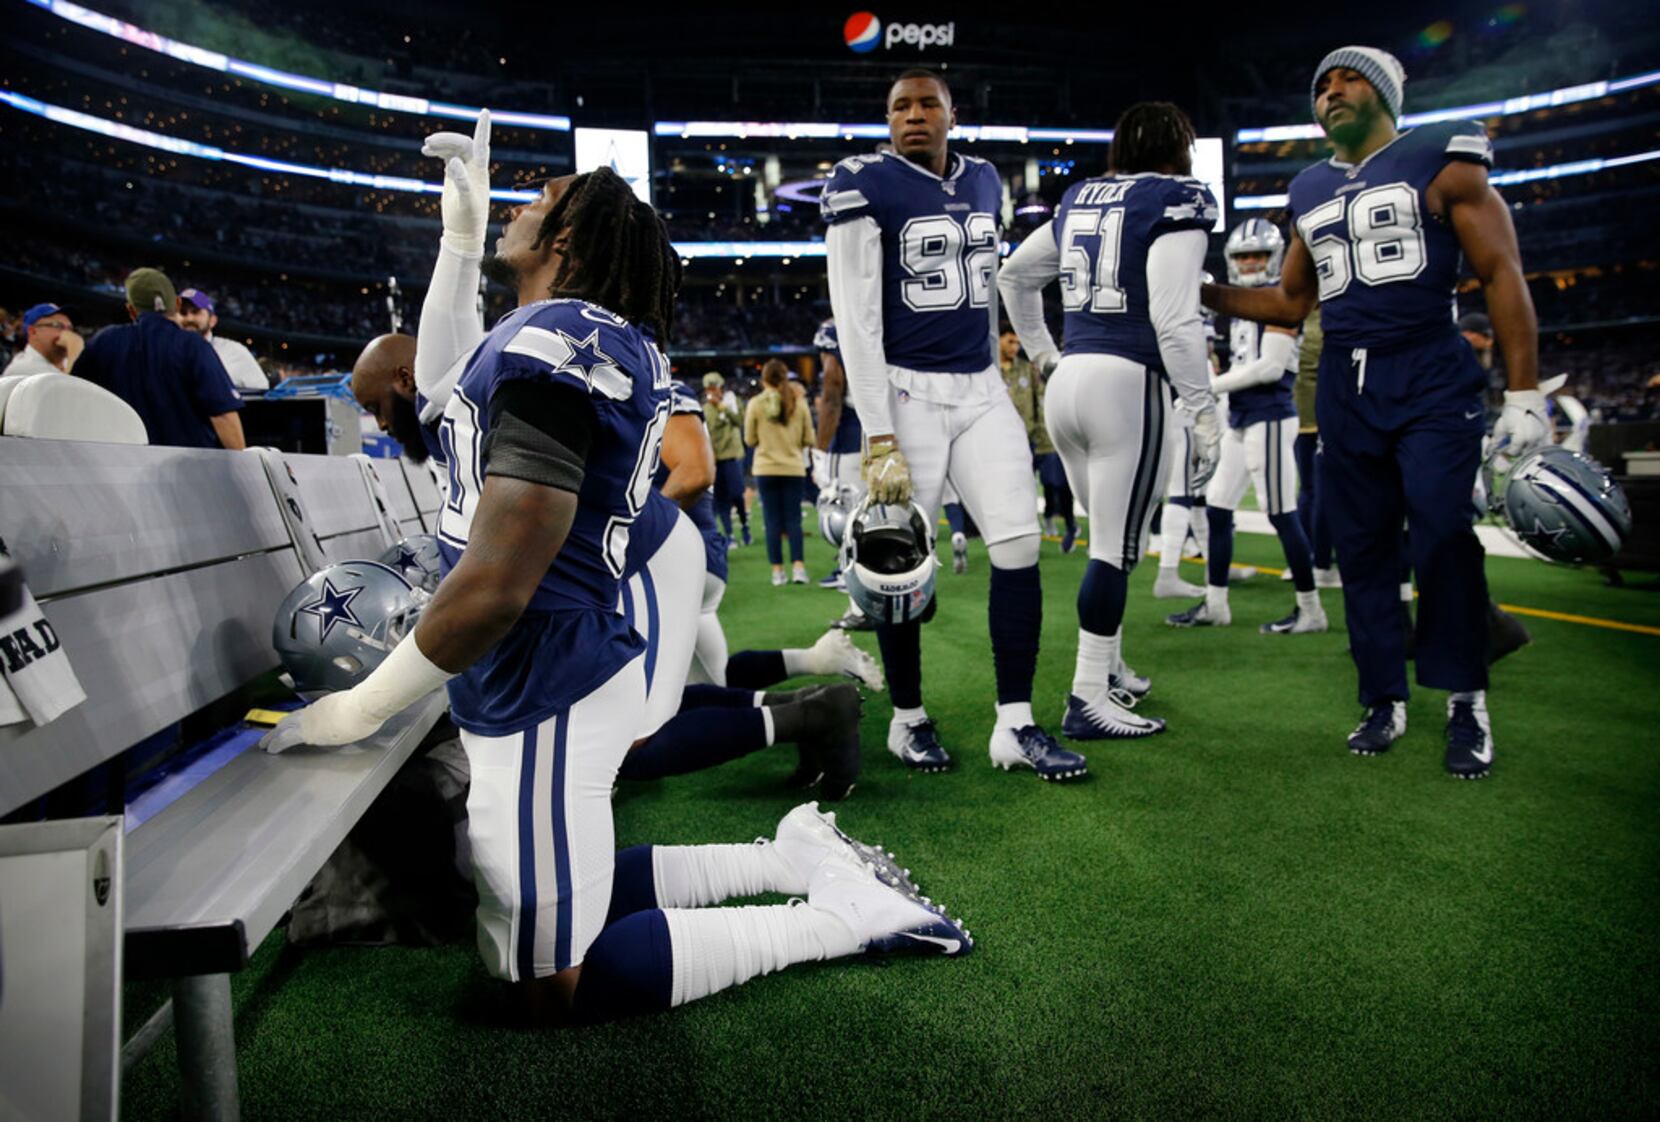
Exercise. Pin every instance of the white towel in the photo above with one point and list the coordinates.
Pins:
(36, 681)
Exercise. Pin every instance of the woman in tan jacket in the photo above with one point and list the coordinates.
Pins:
(778, 426)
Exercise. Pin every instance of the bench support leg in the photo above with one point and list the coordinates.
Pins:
(207, 1048)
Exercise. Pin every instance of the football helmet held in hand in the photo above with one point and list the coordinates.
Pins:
(888, 561)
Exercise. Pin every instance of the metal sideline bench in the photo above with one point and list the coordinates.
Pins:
(161, 570)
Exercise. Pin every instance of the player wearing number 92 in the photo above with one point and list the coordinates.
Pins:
(1128, 248)
(1377, 231)
(912, 248)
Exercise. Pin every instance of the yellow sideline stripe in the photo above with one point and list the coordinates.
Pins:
(1514, 609)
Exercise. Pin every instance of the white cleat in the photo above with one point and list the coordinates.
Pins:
(1298, 622)
(1170, 586)
(834, 653)
(885, 919)
(1106, 716)
(1328, 578)
(1201, 615)
(1237, 573)
(808, 837)
(1285, 574)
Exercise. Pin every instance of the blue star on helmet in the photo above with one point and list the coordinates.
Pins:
(333, 606)
(1543, 533)
(408, 558)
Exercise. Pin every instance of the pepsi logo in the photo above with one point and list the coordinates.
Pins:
(863, 31)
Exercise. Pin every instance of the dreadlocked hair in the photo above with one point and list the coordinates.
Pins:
(617, 253)
(1149, 136)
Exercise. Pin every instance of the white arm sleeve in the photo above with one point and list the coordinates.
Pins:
(854, 249)
(1174, 262)
(1021, 281)
(1279, 351)
(450, 326)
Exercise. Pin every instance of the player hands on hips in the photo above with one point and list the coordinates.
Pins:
(1377, 231)
(913, 247)
(1133, 334)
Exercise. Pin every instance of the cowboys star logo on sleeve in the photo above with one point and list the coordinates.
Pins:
(332, 606)
(581, 358)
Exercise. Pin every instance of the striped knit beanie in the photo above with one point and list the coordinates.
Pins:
(1379, 67)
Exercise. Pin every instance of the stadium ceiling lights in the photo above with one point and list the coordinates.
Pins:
(1526, 103)
(1497, 179)
(338, 91)
(828, 130)
(179, 147)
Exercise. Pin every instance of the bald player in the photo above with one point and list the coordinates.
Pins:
(383, 382)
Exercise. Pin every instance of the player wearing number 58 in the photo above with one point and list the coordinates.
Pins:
(1376, 235)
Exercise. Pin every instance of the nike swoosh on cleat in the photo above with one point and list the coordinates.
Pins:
(952, 946)
(1484, 757)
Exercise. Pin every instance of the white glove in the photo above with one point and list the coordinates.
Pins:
(1201, 421)
(887, 475)
(821, 468)
(1523, 425)
(403, 678)
(466, 199)
(331, 720)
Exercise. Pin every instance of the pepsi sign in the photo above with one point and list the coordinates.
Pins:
(863, 32)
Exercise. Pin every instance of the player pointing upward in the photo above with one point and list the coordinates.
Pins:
(1376, 235)
(912, 251)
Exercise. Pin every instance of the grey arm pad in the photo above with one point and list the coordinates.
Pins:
(517, 450)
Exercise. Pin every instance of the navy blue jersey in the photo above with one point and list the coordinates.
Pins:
(849, 435)
(939, 254)
(429, 431)
(1271, 401)
(1103, 229)
(1386, 266)
(659, 515)
(571, 638)
(172, 378)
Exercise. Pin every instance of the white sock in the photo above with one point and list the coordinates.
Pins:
(1098, 658)
(1200, 522)
(766, 722)
(1477, 696)
(1308, 603)
(1172, 537)
(1015, 715)
(694, 876)
(1216, 598)
(761, 701)
(798, 661)
(1406, 592)
(909, 716)
(958, 540)
(715, 948)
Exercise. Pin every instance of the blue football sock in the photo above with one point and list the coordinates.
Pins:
(1102, 595)
(702, 695)
(755, 670)
(695, 740)
(1015, 618)
(1219, 553)
(629, 970)
(633, 883)
(901, 646)
(1298, 555)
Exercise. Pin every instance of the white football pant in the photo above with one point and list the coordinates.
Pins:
(1107, 417)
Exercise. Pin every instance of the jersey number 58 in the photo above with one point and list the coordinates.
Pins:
(1385, 240)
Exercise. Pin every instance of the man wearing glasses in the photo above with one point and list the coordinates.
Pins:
(52, 343)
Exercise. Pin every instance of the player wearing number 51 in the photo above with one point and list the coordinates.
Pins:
(1377, 231)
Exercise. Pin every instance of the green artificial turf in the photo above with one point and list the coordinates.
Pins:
(1236, 918)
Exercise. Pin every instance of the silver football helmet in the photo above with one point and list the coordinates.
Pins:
(416, 557)
(888, 561)
(835, 506)
(1566, 506)
(336, 627)
(1255, 235)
